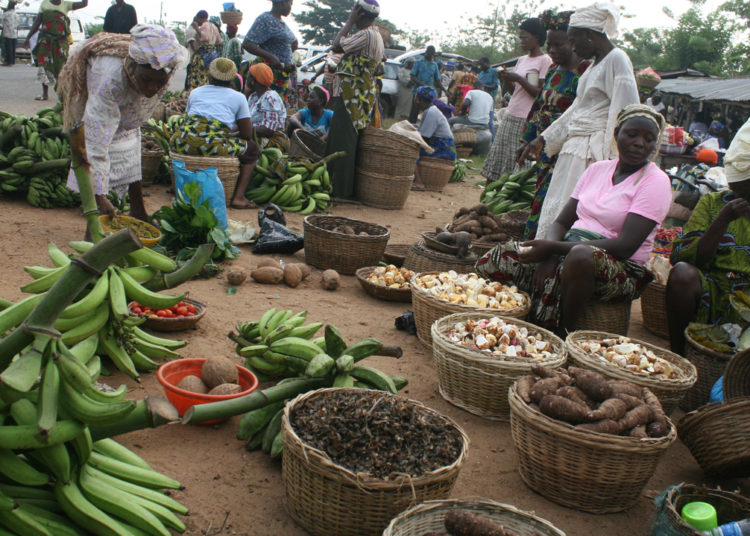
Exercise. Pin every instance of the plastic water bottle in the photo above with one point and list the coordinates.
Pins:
(735, 528)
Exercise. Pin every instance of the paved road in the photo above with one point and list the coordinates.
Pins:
(18, 87)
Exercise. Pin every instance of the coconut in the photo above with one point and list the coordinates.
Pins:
(217, 370)
(225, 389)
(193, 384)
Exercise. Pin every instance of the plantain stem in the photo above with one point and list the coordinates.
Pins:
(186, 272)
(150, 412)
(82, 170)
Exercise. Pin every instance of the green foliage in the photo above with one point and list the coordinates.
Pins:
(92, 29)
(187, 224)
(323, 19)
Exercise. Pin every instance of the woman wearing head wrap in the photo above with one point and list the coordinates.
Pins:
(526, 78)
(204, 41)
(363, 56)
(712, 255)
(51, 49)
(556, 96)
(583, 134)
(271, 40)
(315, 118)
(600, 241)
(435, 130)
(113, 84)
(267, 110)
(233, 46)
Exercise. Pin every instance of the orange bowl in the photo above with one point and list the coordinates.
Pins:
(170, 374)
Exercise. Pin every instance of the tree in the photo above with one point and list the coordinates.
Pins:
(323, 19)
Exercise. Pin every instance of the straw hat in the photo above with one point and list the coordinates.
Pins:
(222, 69)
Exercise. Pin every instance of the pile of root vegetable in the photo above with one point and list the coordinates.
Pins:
(459, 522)
(591, 402)
(485, 226)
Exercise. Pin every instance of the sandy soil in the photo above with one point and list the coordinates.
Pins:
(230, 491)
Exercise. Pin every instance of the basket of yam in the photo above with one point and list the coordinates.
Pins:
(438, 294)
(343, 244)
(668, 375)
(584, 441)
(388, 283)
(463, 517)
(355, 458)
(478, 356)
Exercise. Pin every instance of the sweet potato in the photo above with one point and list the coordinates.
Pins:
(638, 415)
(638, 431)
(605, 426)
(592, 383)
(523, 386)
(622, 386)
(612, 408)
(563, 409)
(630, 401)
(573, 393)
(546, 372)
(460, 522)
(543, 387)
(657, 429)
(268, 275)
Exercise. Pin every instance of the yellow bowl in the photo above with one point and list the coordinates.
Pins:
(148, 234)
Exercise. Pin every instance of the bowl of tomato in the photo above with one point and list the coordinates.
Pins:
(184, 315)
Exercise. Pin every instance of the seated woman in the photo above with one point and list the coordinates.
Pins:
(435, 130)
(711, 256)
(614, 208)
(314, 118)
(267, 110)
(213, 112)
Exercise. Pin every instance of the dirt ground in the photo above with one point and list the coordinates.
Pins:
(231, 491)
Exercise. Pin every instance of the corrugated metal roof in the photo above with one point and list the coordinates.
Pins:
(722, 89)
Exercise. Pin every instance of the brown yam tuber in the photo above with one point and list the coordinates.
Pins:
(544, 387)
(488, 221)
(497, 237)
(630, 401)
(467, 226)
(573, 393)
(592, 383)
(612, 408)
(623, 386)
(638, 431)
(480, 209)
(546, 372)
(563, 409)
(460, 522)
(460, 212)
(523, 387)
(657, 411)
(657, 429)
(486, 230)
(605, 426)
(638, 415)
(446, 238)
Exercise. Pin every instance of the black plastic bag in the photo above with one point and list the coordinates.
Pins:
(272, 212)
(276, 238)
(406, 323)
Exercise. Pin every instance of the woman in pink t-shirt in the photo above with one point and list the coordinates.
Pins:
(526, 79)
(614, 209)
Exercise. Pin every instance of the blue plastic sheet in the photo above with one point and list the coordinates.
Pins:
(210, 184)
(717, 391)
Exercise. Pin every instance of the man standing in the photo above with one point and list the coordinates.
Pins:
(120, 18)
(488, 77)
(424, 73)
(10, 33)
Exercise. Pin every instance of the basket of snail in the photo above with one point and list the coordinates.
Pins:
(478, 356)
(438, 294)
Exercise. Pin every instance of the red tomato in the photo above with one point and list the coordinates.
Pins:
(182, 311)
(191, 308)
(168, 313)
(137, 311)
(161, 312)
(180, 304)
(135, 304)
(153, 316)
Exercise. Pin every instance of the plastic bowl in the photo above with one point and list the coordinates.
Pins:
(148, 234)
(170, 374)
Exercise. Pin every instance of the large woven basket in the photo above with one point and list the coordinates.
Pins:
(669, 391)
(481, 248)
(381, 292)
(228, 169)
(382, 191)
(737, 376)
(435, 173)
(428, 309)
(423, 259)
(464, 151)
(654, 309)
(306, 145)
(428, 517)
(386, 153)
(150, 161)
(475, 381)
(231, 17)
(729, 507)
(327, 499)
(588, 471)
(610, 317)
(718, 437)
(465, 136)
(710, 365)
(326, 248)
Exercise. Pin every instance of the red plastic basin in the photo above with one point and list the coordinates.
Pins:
(170, 374)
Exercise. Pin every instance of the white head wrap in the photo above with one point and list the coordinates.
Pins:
(371, 6)
(601, 17)
(737, 157)
(156, 46)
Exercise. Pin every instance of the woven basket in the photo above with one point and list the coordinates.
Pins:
(718, 437)
(589, 471)
(382, 191)
(150, 161)
(325, 248)
(610, 317)
(327, 499)
(669, 391)
(481, 248)
(428, 309)
(228, 169)
(465, 136)
(432, 243)
(306, 145)
(654, 308)
(472, 379)
(710, 365)
(737, 376)
(464, 151)
(428, 518)
(386, 153)
(180, 323)
(231, 17)
(435, 173)
(380, 292)
(396, 254)
(729, 507)
(423, 259)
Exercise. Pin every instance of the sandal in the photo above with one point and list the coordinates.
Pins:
(417, 188)
(41, 98)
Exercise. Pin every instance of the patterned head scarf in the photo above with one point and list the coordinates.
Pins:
(222, 69)
(321, 92)
(555, 21)
(737, 157)
(427, 93)
(262, 74)
(216, 21)
(707, 156)
(202, 14)
(157, 47)
(370, 6)
(641, 110)
(601, 17)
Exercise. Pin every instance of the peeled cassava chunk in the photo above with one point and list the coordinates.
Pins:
(217, 370)
(268, 275)
(193, 384)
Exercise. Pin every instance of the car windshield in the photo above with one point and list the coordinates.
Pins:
(391, 71)
(25, 20)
